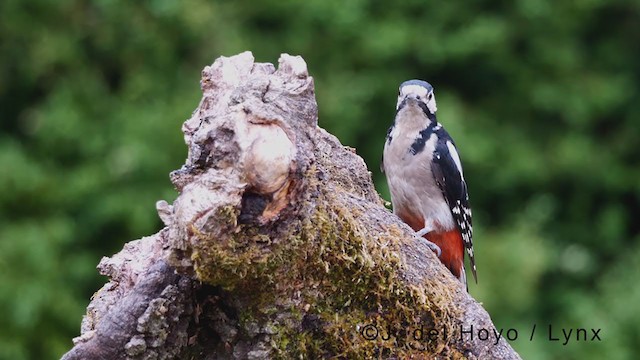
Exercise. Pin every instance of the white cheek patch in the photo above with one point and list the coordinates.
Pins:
(431, 104)
(456, 159)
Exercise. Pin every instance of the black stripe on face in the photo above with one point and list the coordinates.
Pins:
(426, 111)
(402, 105)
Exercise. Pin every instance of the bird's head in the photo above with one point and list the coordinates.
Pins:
(417, 93)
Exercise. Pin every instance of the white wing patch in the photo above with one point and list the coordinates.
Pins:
(455, 157)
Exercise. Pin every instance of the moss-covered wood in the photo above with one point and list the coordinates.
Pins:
(285, 247)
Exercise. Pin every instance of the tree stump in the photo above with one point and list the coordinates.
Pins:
(278, 246)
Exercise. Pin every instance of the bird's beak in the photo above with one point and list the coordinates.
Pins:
(411, 98)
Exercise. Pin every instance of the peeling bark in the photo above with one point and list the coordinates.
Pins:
(277, 246)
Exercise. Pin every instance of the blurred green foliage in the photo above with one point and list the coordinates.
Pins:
(542, 98)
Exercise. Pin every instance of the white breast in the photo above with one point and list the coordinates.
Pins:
(411, 183)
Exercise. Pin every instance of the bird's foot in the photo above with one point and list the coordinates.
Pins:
(423, 232)
(435, 248)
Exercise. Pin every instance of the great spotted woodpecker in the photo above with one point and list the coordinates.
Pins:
(424, 173)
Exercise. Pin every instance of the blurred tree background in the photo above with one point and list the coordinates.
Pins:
(542, 98)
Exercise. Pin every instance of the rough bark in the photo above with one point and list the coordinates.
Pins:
(277, 246)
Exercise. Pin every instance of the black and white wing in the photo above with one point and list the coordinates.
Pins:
(447, 171)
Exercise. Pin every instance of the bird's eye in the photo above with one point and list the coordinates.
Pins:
(430, 96)
(399, 92)
(418, 97)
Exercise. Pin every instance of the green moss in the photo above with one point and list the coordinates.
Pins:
(228, 258)
(356, 284)
(333, 274)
